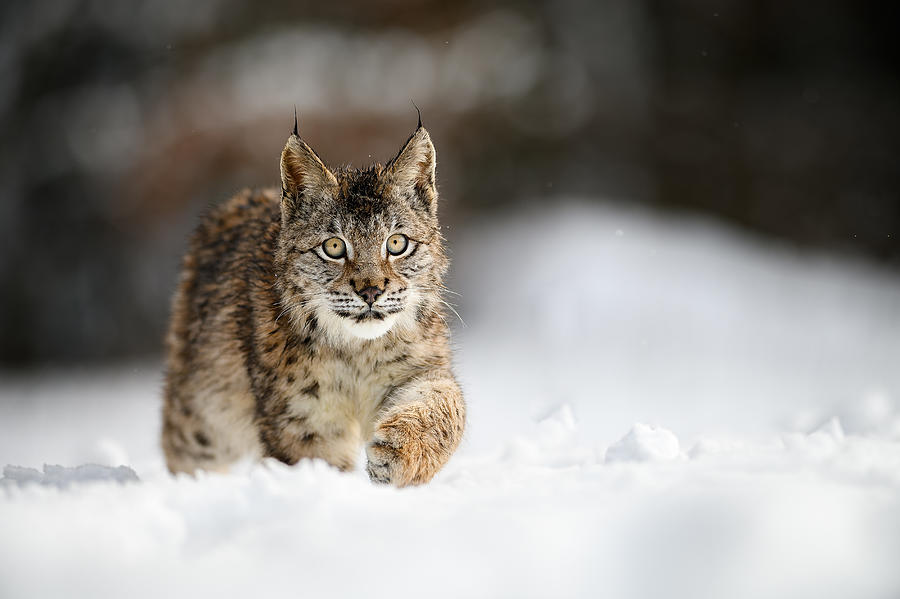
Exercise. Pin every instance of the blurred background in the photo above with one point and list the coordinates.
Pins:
(122, 121)
(673, 226)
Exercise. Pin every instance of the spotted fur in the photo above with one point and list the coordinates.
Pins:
(273, 350)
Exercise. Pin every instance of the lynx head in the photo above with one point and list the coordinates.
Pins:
(360, 249)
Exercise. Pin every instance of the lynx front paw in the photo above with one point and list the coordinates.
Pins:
(418, 435)
(397, 458)
(407, 449)
(385, 463)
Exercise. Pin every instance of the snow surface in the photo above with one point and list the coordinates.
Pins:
(644, 443)
(657, 409)
(62, 476)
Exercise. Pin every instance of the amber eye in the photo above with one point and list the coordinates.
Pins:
(396, 244)
(334, 248)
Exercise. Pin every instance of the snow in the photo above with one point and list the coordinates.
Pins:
(657, 408)
(644, 443)
(62, 476)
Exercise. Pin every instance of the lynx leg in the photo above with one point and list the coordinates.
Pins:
(418, 433)
(187, 442)
(206, 427)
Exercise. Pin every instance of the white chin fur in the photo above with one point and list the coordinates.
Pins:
(345, 329)
(369, 329)
(341, 328)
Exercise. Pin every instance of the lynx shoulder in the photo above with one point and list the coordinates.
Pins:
(309, 324)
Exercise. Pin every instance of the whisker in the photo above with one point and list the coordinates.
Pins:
(452, 309)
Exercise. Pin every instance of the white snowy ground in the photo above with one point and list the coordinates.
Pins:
(657, 409)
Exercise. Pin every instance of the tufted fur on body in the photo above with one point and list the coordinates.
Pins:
(275, 347)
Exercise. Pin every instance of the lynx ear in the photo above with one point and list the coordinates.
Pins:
(411, 173)
(303, 174)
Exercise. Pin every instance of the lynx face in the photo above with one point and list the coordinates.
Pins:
(360, 247)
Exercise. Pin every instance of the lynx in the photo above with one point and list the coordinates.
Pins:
(310, 324)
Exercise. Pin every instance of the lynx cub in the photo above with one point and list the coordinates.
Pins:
(310, 324)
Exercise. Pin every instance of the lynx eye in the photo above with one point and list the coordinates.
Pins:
(334, 248)
(396, 244)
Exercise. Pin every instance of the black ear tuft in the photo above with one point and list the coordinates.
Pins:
(418, 112)
(296, 130)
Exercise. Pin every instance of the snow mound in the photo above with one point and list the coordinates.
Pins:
(62, 476)
(645, 443)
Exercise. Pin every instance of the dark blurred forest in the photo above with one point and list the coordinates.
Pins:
(123, 120)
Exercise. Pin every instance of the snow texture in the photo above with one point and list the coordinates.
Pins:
(62, 477)
(771, 469)
(644, 443)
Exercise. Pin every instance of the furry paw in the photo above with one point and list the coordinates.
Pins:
(381, 462)
(418, 435)
(405, 451)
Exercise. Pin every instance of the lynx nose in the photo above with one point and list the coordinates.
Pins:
(369, 294)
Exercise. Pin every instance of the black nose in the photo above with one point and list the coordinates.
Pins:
(370, 294)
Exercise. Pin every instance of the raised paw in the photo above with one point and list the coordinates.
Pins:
(381, 463)
(416, 437)
(408, 448)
